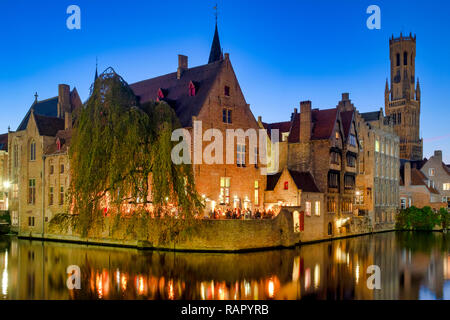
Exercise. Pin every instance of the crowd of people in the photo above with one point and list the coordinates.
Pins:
(240, 214)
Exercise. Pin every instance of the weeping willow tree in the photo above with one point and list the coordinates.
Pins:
(120, 151)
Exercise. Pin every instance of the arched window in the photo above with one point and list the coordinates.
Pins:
(405, 58)
(398, 59)
(33, 151)
(330, 229)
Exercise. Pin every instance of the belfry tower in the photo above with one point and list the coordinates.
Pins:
(402, 99)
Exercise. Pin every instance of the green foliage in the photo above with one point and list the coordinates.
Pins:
(444, 216)
(417, 219)
(120, 155)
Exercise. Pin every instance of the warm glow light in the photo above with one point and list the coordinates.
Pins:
(296, 269)
(213, 205)
(316, 276)
(171, 293)
(141, 285)
(6, 184)
(357, 273)
(271, 288)
(99, 283)
(123, 282)
(5, 276)
(307, 278)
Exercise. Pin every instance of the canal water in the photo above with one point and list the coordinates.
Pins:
(412, 266)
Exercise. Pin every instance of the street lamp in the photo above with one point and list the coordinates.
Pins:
(6, 184)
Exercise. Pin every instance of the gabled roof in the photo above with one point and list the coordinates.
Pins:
(303, 180)
(347, 117)
(48, 126)
(282, 127)
(4, 142)
(371, 116)
(272, 181)
(417, 179)
(48, 107)
(65, 137)
(323, 122)
(177, 90)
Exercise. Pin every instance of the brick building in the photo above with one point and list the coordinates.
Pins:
(402, 98)
(378, 180)
(438, 173)
(416, 189)
(211, 94)
(28, 163)
(4, 178)
(325, 144)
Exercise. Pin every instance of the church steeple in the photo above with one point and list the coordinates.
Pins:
(216, 50)
(96, 70)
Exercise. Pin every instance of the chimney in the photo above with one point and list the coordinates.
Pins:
(438, 155)
(259, 119)
(345, 96)
(305, 121)
(63, 100)
(182, 65)
(68, 120)
(407, 174)
(227, 56)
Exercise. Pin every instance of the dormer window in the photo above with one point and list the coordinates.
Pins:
(160, 94)
(191, 89)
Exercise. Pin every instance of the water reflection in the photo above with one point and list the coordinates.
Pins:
(413, 266)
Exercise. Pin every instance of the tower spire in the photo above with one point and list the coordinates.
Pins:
(216, 49)
(96, 69)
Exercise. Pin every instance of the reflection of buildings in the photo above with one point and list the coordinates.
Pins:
(422, 266)
(329, 270)
(386, 253)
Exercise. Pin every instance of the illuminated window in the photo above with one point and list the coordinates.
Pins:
(317, 208)
(308, 208)
(286, 185)
(431, 172)
(446, 186)
(337, 135)
(224, 190)
(377, 145)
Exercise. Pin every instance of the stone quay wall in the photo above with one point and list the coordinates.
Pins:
(207, 235)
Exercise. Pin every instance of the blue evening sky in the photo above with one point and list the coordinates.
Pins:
(282, 51)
